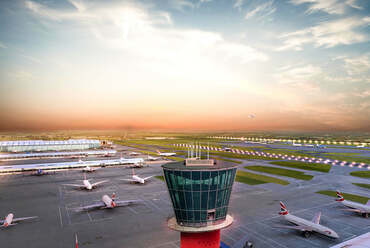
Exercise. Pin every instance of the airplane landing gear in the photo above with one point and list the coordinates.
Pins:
(306, 234)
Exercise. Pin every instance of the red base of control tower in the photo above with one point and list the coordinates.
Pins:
(200, 240)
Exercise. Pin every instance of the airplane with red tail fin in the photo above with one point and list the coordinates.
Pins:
(363, 209)
(107, 203)
(11, 221)
(305, 226)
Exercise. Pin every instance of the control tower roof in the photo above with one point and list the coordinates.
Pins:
(219, 165)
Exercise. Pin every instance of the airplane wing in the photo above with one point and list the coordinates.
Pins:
(97, 183)
(24, 218)
(316, 218)
(130, 180)
(368, 203)
(146, 178)
(75, 185)
(352, 210)
(90, 207)
(300, 228)
(126, 203)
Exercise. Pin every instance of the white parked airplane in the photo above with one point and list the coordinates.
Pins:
(137, 179)
(306, 226)
(150, 158)
(297, 144)
(134, 153)
(360, 146)
(90, 169)
(86, 184)
(11, 221)
(166, 154)
(363, 209)
(107, 202)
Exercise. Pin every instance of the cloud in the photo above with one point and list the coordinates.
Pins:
(353, 4)
(238, 4)
(181, 4)
(301, 77)
(2, 45)
(357, 65)
(329, 6)
(262, 11)
(150, 35)
(327, 34)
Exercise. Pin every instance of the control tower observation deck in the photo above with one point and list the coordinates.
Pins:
(200, 191)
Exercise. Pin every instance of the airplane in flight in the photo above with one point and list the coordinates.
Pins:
(363, 209)
(107, 203)
(90, 169)
(306, 226)
(11, 221)
(166, 154)
(86, 184)
(136, 178)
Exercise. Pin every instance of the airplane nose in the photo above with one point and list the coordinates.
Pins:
(335, 235)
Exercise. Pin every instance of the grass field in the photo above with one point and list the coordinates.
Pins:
(280, 172)
(304, 166)
(363, 174)
(350, 197)
(255, 179)
(363, 185)
(160, 177)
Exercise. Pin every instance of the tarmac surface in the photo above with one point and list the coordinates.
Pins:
(254, 208)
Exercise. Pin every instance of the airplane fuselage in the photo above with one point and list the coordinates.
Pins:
(138, 179)
(109, 203)
(313, 226)
(8, 220)
(88, 169)
(87, 184)
(362, 207)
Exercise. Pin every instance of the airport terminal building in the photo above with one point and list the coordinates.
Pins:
(48, 145)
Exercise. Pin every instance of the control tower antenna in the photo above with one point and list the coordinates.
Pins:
(200, 151)
(208, 151)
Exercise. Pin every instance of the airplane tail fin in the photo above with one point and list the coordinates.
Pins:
(76, 241)
(113, 196)
(339, 197)
(283, 209)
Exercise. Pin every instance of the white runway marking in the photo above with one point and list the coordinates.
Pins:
(130, 208)
(87, 212)
(60, 216)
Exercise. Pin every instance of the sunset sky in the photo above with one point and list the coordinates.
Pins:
(185, 64)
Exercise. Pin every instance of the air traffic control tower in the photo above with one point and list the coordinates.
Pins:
(200, 191)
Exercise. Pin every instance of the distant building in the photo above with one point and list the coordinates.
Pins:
(47, 145)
